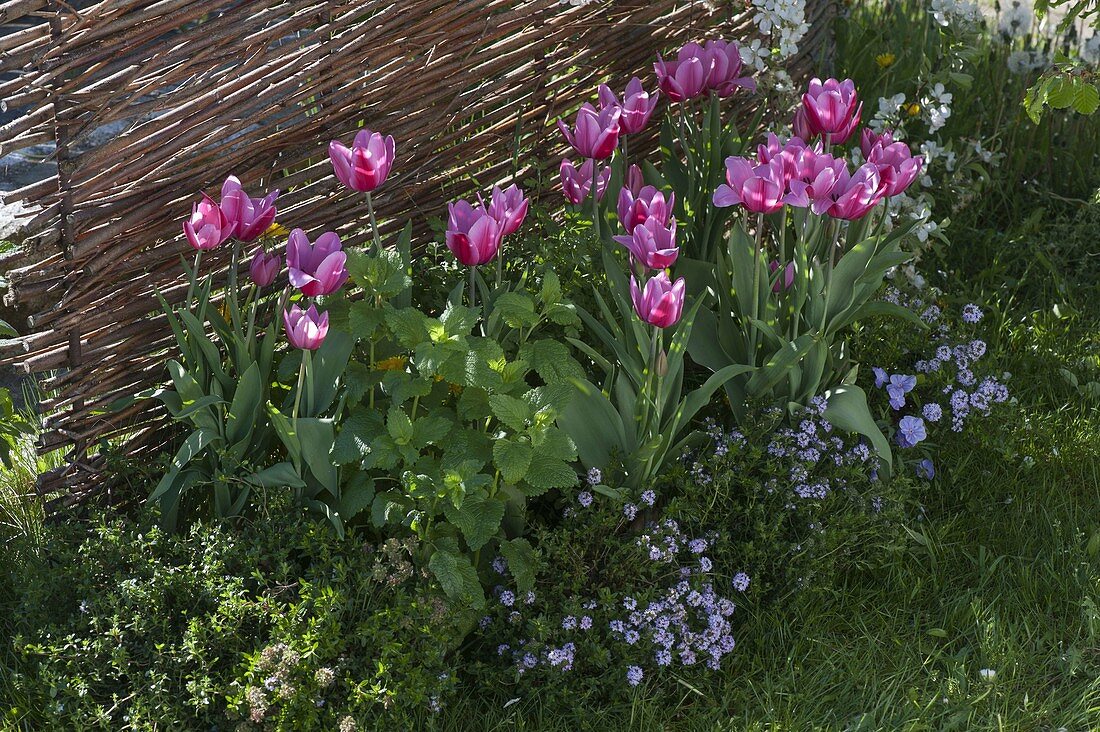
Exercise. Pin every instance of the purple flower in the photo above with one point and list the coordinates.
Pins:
(584, 498)
(881, 377)
(971, 313)
(499, 564)
(634, 675)
(926, 469)
(740, 582)
(586, 623)
(507, 598)
(705, 564)
(630, 511)
(932, 412)
(910, 431)
(899, 386)
(569, 622)
(649, 498)
(697, 546)
(594, 477)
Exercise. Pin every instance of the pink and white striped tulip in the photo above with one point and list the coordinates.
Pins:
(305, 329)
(661, 302)
(473, 234)
(636, 107)
(251, 216)
(832, 109)
(653, 243)
(316, 269)
(758, 188)
(366, 164)
(576, 183)
(207, 228)
(596, 134)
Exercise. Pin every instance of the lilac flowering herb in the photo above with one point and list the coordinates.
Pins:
(584, 498)
(971, 313)
(932, 412)
(910, 431)
(630, 511)
(500, 565)
(507, 598)
(594, 477)
(634, 675)
(740, 582)
(648, 498)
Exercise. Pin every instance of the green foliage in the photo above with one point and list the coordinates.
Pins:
(15, 428)
(1069, 86)
(276, 625)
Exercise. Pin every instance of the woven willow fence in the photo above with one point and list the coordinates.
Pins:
(257, 88)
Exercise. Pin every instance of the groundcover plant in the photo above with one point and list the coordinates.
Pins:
(554, 460)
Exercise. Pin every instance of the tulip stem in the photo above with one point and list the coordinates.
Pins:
(626, 158)
(194, 279)
(374, 225)
(756, 285)
(232, 302)
(298, 392)
(596, 197)
(473, 287)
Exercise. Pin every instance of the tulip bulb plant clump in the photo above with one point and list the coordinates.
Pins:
(732, 269)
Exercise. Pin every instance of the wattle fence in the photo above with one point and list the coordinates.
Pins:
(193, 91)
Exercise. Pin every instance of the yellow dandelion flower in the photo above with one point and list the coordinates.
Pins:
(885, 60)
(395, 363)
(277, 231)
(913, 109)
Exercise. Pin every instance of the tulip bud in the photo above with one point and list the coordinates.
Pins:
(596, 134)
(576, 183)
(509, 208)
(249, 217)
(661, 302)
(473, 234)
(661, 367)
(832, 109)
(264, 268)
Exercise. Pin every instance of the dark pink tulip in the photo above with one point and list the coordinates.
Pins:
(305, 329)
(366, 165)
(596, 134)
(264, 267)
(896, 165)
(316, 269)
(815, 176)
(207, 228)
(784, 282)
(252, 216)
(868, 139)
(473, 234)
(653, 243)
(759, 189)
(687, 76)
(634, 180)
(800, 125)
(725, 69)
(636, 108)
(508, 207)
(635, 208)
(661, 303)
(854, 195)
(832, 109)
(576, 183)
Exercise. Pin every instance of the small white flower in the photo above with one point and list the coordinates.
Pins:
(988, 674)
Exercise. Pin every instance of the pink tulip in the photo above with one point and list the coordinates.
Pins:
(773, 148)
(635, 208)
(854, 195)
(815, 175)
(759, 189)
(473, 234)
(636, 108)
(316, 269)
(687, 76)
(508, 207)
(653, 243)
(725, 69)
(207, 228)
(367, 164)
(576, 183)
(784, 282)
(597, 133)
(896, 165)
(252, 216)
(634, 180)
(832, 109)
(800, 125)
(264, 267)
(868, 138)
(305, 329)
(661, 303)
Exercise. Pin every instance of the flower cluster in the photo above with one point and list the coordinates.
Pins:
(785, 21)
(962, 14)
(475, 231)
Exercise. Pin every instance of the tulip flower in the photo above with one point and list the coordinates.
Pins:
(868, 138)
(853, 195)
(597, 133)
(635, 208)
(896, 165)
(784, 282)
(653, 243)
(473, 234)
(264, 267)
(687, 76)
(725, 69)
(366, 165)
(207, 228)
(661, 302)
(800, 125)
(305, 329)
(759, 189)
(635, 109)
(251, 216)
(815, 175)
(634, 180)
(508, 207)
(832, 109)
(576, 183)
(316, 269)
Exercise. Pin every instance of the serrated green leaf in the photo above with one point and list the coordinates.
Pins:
(408, 325)
(399, 426)
(551, 360)
(522, 562)
(512, 459)
(550, 294)
(546, 472)
(457, 577)
(513, 412)
(478, 518)
(516, 309)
